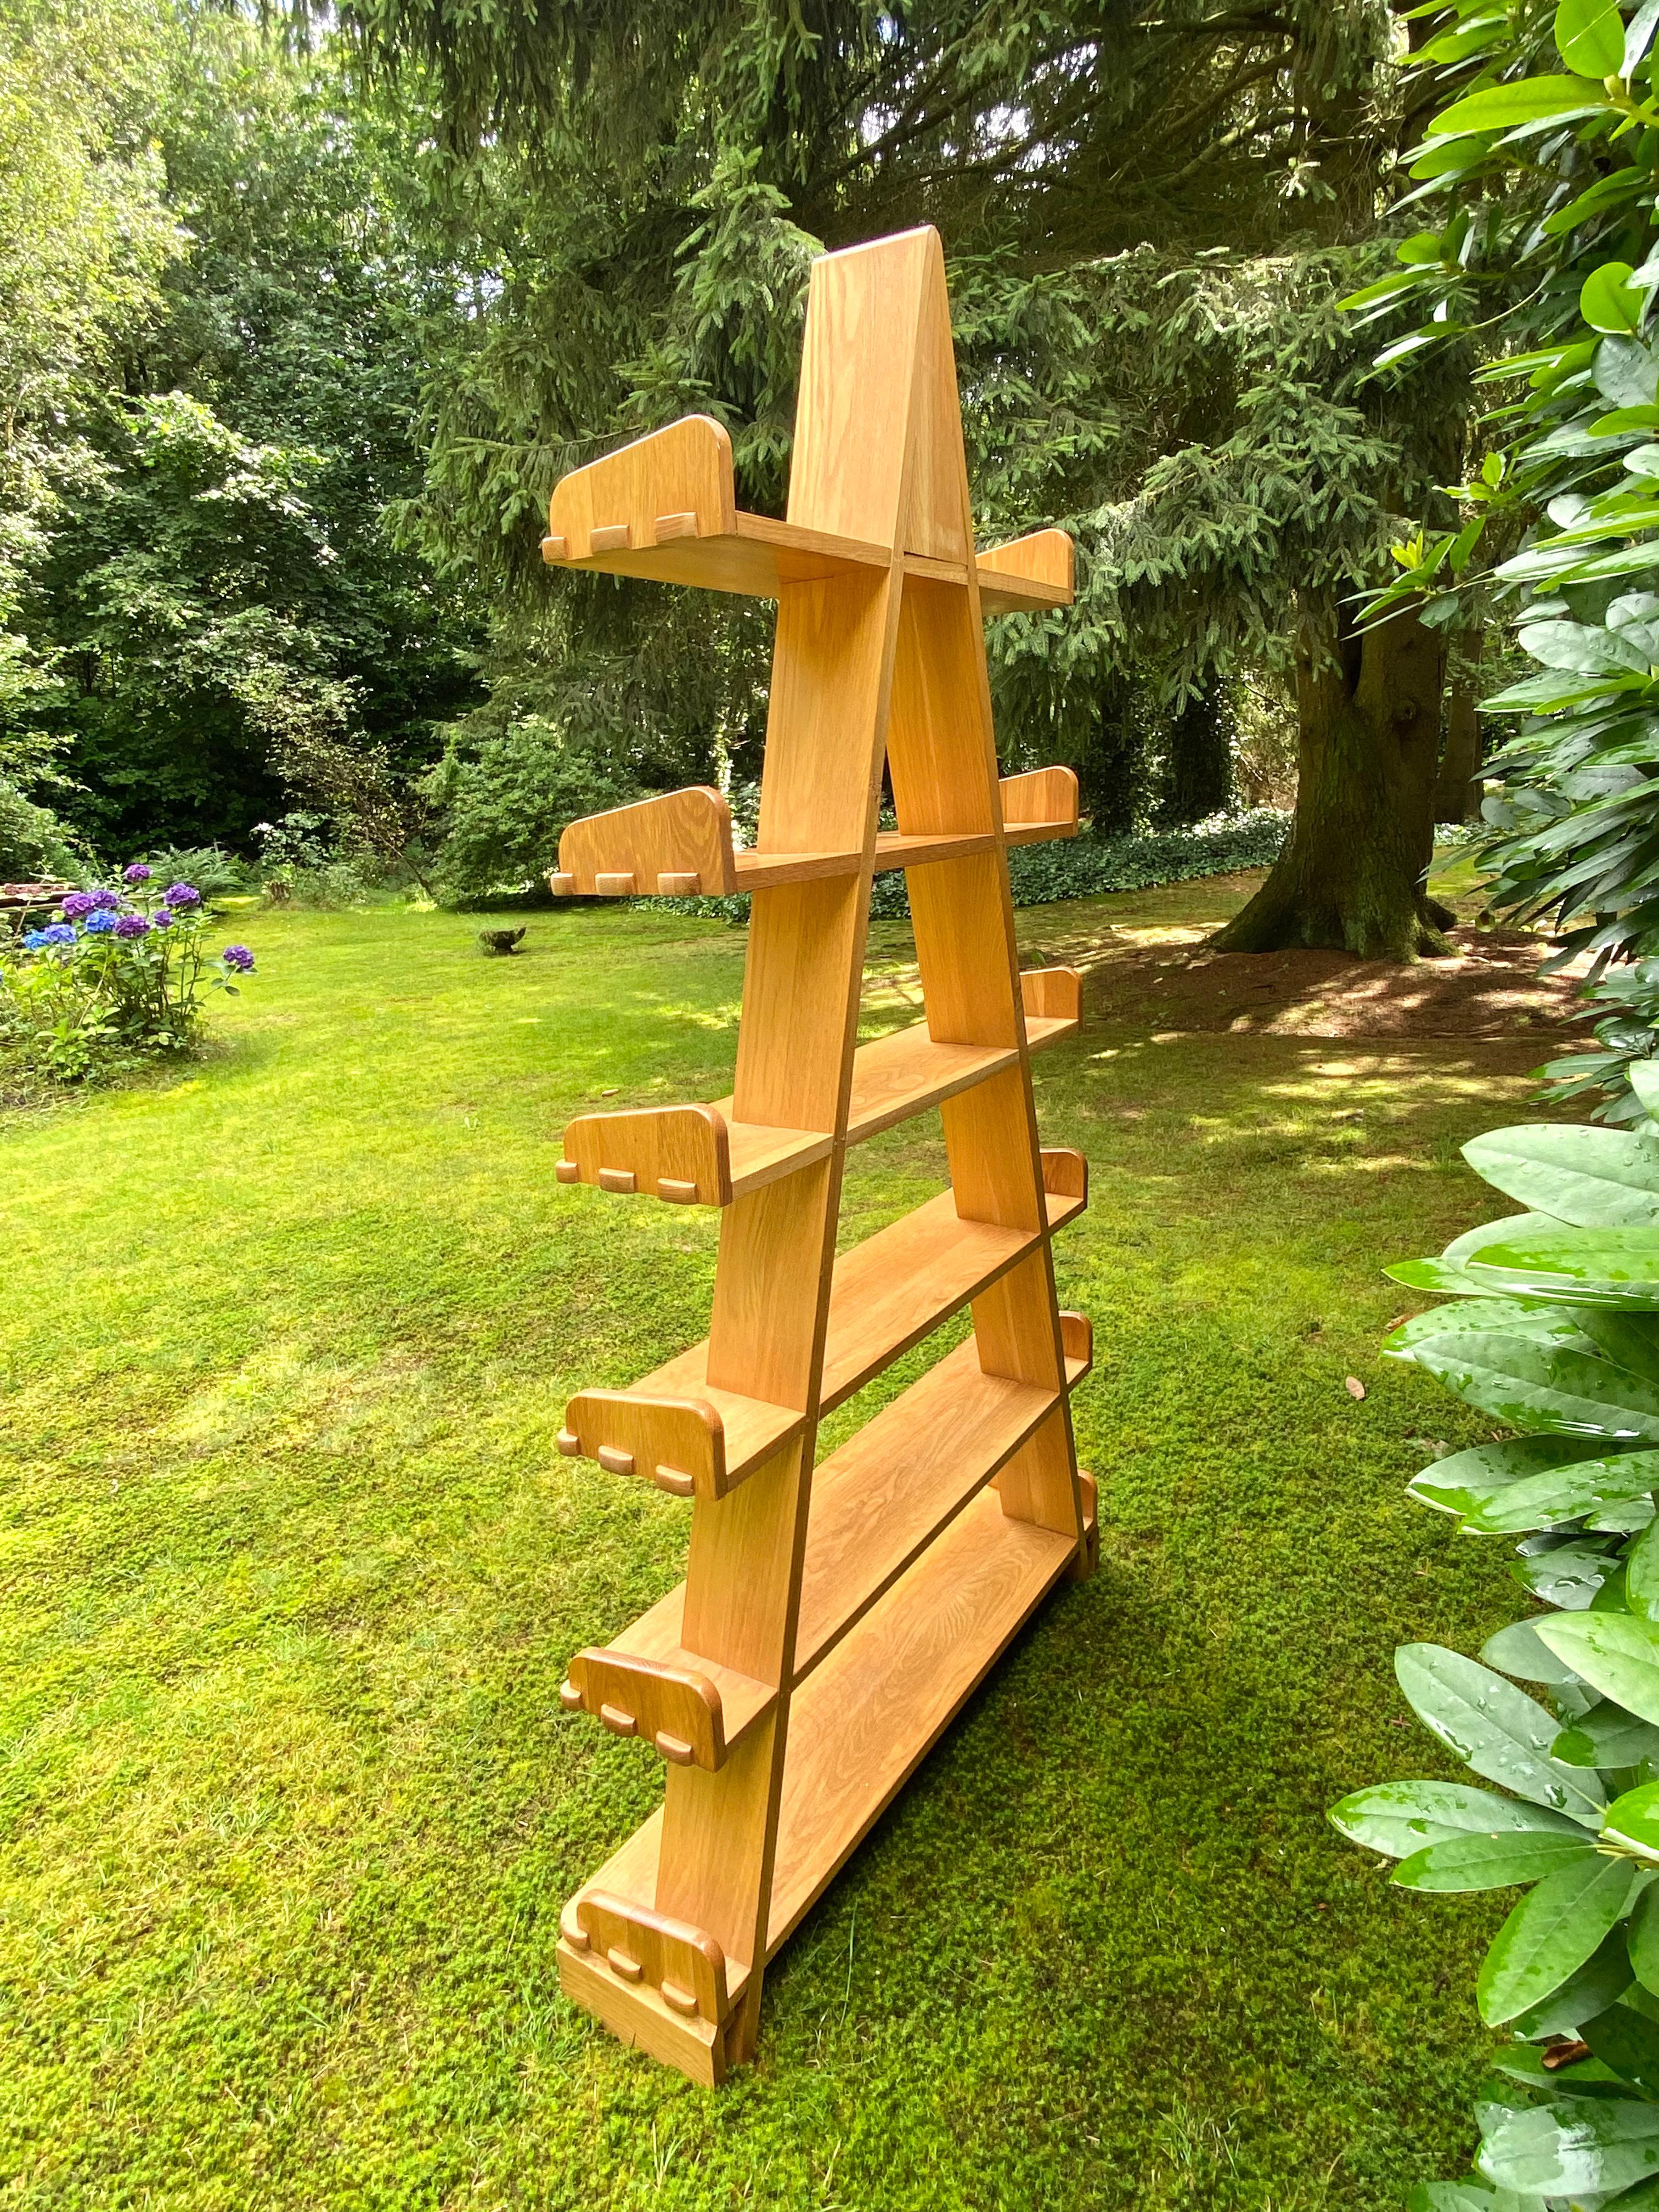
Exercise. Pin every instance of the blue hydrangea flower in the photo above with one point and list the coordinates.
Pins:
(58, 933)
(239, 958)
(100, 923)
(34, 940)
(179, 895)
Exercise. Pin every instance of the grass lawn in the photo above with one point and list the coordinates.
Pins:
(291, 1568)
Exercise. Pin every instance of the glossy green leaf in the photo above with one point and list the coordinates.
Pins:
(1520, 1651)
(1504, 1230)
(1574, 1575)
(1591, 1178)
(1642, 1938)
(1598, 1983)
(1536, 1316)
(1494, 1862)
(1572, 2146)
(1554, 1929)
(1453, 2197)
(1399, 1817)
(1614, 1652)
(1524, 2062)
(1565, 1492)
(1633, 1820)
(1599, 1266)
(1532, 1385)
(1642, 1574)
(1527, 100)
(1497, 1729)
(1639, 36)
(1628, 2045)
(1605, 1737)
(1591, 650)
(1456, 1483)
(1589, 37)
(1610, 301)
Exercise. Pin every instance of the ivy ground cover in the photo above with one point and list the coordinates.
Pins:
(291, 1568)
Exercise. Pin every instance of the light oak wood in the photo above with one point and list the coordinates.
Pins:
(680, 846)
(881, 1499)
(640, 1945)
(830, 1620)
(1053, 1000)
(1028, 573)
(688, 1708)
(687, 1155)
(677, 1430)
(865, 1717)
(1077, 1341)
(1040, 806)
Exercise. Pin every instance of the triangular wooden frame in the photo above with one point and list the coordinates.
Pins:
(832, 1620)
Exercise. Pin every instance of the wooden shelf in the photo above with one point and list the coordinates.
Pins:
(882, 1497)
(869, 1714)
(702, 1156)
(897, 1287)
(680, 844)
(880, 1500)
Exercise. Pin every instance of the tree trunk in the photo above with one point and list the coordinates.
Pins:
(1351, 877)
(1457, 792)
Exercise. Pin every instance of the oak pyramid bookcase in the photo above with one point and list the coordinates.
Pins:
(832, 1619)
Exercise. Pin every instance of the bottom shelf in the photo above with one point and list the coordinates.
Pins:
(865, 1718)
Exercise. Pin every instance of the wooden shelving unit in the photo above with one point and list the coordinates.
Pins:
(832, 1619)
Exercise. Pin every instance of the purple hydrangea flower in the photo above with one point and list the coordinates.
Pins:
(76, 904)
(104, 902)
(137, 873)
(179, 895)
(239, 958)
(132, 925)
(160, 918)
(58, 933)
(100, 923)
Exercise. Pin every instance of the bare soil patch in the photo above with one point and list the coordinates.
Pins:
(1150, 972)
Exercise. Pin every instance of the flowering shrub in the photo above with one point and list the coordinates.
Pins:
(118, 974)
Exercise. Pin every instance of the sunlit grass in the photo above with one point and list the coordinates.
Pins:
(291, 1570)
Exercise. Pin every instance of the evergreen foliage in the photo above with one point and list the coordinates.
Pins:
(1542, 166)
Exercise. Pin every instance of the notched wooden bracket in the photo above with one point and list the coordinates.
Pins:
(679, 1153)
(679, 1443)
(676, 484)
(1077, 1341)
(674, 1708)
(1087, 1559)
(679, 842)
(1040, 806)
(639, 1946)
